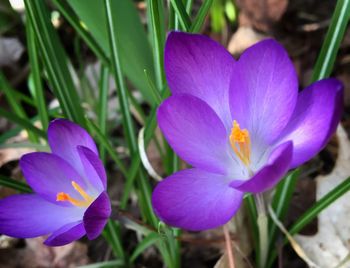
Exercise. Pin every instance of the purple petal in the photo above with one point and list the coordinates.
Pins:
(195, 200)
(66, 234)
(64, 137)
(267, 177)
(197, 65)
(29, 215)
(96, 216)
(93, 168)
(314, 120)
(48, 175)
(263, 90)
(195, 132)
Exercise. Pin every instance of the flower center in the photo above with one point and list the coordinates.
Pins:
(87, 199)
(240, 143)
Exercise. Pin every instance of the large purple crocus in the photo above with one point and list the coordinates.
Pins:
(241, 125)
(69, 185)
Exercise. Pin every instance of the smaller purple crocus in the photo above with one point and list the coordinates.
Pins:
(69, 184)
(240, 124)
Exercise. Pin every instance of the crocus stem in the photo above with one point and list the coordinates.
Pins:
(229, 247)
(263, 229)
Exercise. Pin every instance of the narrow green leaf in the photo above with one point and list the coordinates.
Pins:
(36, 77)
(14, 184)
(281, 201)
(103, 141)
(25, 123)
(249, 203)
(135, 52)
(202, 13)
(105, 264)
(314, 211)
(148, 241)
(155, 12)
(330, 47)
(112, 235)
(55, 60)
(180, 10)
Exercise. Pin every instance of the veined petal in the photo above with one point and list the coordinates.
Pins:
(29, 215)
(48, 174)
(94, 170)
(195, 132)
(195, 64)
(96, 216)
(66, 234)
(263, 90)
(269, 175)
(64, 137)
(195, 200)
(314, 120)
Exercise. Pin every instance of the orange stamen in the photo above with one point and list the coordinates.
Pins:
(240, 143)
(87, 199)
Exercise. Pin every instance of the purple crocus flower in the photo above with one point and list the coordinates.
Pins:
(69, 185)
(241, 125)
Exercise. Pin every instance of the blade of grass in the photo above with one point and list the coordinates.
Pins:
(16, 107)
(102, 106)
(202, 13)
(105, 264)
(314, 211)
(156, 18)
(103, 141)
(74, 21)
(250, 205)
(55, 61)
(281, 201)
(180, 10)
(14, 184)
(148, 241)
(112, 234)
(24, 122)
(36, 77)
(134, 49)
(330, 47)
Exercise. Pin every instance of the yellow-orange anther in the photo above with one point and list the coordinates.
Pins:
(87, 199)
(240, 143)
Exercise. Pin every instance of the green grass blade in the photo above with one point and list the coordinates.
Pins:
(14, 184)
(313, 212)
(180, 10)
(156, 10)
(55, 60)
(24, 122)
(36, 77)
(250, 205)
(135, 51)
(148, 241)
(118, 76)
(103, 141)
(102, 105)
(330, 47)
(112, 235)
(202, 13)
(74, 21)
(281, 201)
(105, 264)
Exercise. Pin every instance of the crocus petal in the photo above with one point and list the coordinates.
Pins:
(195, 132)
(197, 65)
(48, 175)
(64, 137)
(263, 90)
(66, 234)
(29, 215)
(195, 200)
(314, 120)
(93, 168)
(267, 177)
(96, 216)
